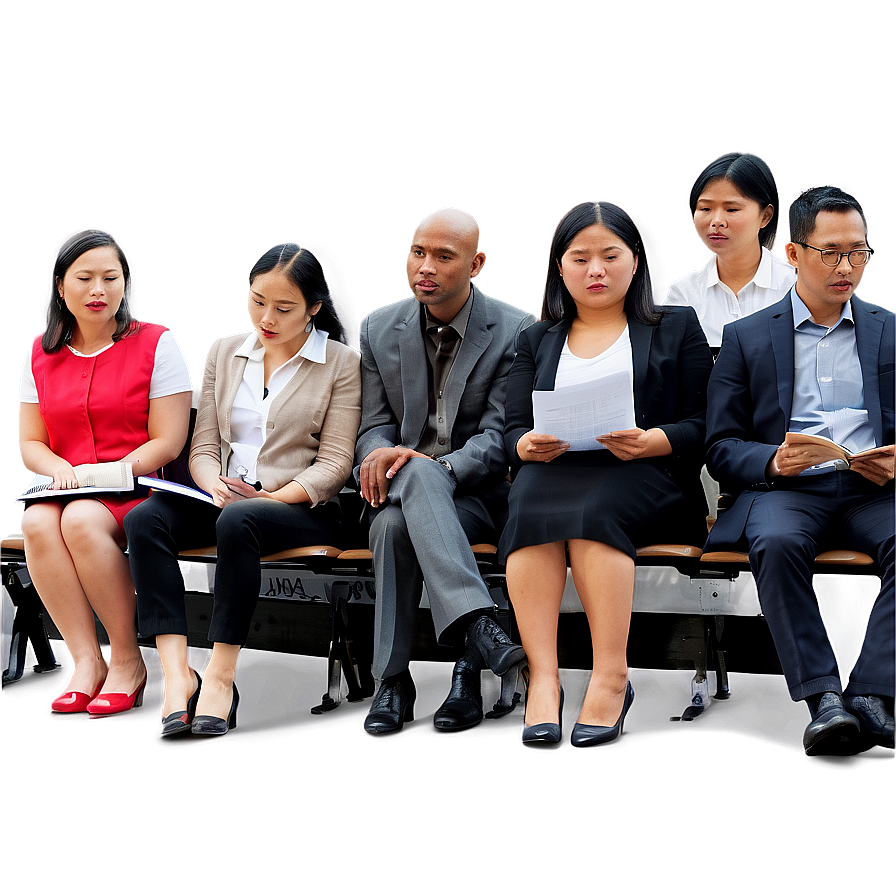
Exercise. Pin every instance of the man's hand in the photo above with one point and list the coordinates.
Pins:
(537, 446)
(877, 469)
(378, 468)
(791, 460)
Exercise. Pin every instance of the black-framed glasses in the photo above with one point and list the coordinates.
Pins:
(831, 257)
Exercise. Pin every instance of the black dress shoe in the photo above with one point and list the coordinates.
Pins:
(393, 705)
(593, 735)
(462, 708)
(181, 722)
(832, 731)
(498, 652)
(874, 718)
(545, 732)
(210, 726)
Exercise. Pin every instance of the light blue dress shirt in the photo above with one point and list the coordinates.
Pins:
(828, 395)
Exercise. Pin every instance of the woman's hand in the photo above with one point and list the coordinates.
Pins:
(64, 475)
(628, 444)
(231, 488)
(537, 446)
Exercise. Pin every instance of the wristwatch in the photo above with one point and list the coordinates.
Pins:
(445, 464)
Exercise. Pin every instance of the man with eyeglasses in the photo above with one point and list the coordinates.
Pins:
(820, 362)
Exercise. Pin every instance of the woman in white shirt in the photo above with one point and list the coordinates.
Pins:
(99, 387)
(273, 445)
(595, 506)
(734, 202)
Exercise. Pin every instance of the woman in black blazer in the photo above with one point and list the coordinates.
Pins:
(597, 506)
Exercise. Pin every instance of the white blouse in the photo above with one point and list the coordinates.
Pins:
(249, 415)
(715, 303)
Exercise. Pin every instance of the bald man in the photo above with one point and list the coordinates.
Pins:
(432, 466)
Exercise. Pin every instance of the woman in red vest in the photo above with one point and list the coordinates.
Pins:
(100, 387)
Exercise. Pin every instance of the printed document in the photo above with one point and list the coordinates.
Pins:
(578, 414)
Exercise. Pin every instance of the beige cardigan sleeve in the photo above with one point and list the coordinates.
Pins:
(330, 469)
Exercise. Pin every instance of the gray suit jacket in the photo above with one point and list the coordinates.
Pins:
(395, 381)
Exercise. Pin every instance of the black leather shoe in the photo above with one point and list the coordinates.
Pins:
(592, 735)
(210, 726)
(393, 705)
(498, 652)
(875, 719)
(545, 732)
(462, 708)
(832, 731)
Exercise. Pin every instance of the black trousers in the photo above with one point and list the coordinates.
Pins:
(785, 530)
(164, 524)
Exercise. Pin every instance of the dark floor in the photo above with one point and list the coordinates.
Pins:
(303, 799)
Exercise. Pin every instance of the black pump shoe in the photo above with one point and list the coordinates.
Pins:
(211, 725)
(462, 708)
(545, 732)
(592, 735)
(180, 722)
(393, 705)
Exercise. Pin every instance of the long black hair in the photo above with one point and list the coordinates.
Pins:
(558, 303)
(305, 272)
(60, 321)
(752, 177)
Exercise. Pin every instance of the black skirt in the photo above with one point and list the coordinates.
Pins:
(595, 496)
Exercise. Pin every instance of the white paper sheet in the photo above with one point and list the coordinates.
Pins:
(578, 414)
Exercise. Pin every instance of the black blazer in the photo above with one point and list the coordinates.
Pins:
(751, 398)
(671, 363)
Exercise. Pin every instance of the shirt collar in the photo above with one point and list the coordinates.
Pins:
(314, 349)
(801, 313)
(762, 278)
(460, 321)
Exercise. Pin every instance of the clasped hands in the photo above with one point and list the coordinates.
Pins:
(626, 444)
(378, 468)
(791, 460)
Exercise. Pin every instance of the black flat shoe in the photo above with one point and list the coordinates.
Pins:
(833, 731)
(498, 652)
(212, 725)
(592, 735)
(393, 705)
(462, 708)
(545, 733)
(180, 722)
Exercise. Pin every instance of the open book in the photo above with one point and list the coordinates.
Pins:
(175, 488)
(832, 450)
(92, 478)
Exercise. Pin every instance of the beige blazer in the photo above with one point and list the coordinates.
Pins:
(312, 423)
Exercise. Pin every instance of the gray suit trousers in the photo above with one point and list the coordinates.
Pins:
(423, 535)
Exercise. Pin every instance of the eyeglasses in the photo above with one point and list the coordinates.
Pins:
(831, 257)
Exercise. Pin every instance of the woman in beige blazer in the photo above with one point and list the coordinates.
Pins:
(272, 446)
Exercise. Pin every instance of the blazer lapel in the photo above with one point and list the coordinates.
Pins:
(547, 356)
(477, 339)
(229, 387)
(414, 378)
(781, 333)
(641, 336)
(869, 334)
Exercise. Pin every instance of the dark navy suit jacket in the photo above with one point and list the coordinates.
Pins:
(751, 397)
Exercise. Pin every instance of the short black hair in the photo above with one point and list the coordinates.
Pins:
(305, 271)
(806, 207)
(558, 303)
(60, 321)
(752, 177)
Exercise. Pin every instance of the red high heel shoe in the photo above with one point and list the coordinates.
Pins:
(108, 704)
(74, 701)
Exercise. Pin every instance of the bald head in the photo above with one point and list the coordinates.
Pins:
(444, 257)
